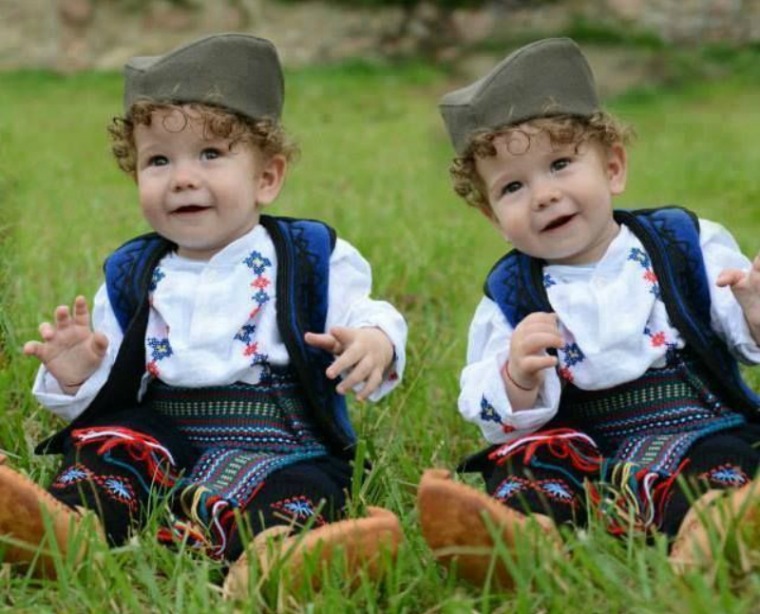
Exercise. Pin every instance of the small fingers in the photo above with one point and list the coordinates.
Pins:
(81, 313)
(359, 373)
(46, 330)
(99, 344)
(729, 277)
(534, 364)
(324, 341)
(344, 362)
(370, 385)
(33, 348)
(62, 316)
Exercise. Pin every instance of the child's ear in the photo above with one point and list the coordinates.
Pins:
(271, 178)
(617, 168)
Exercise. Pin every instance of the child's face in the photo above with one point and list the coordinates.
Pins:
(196, 191)
(553, 202)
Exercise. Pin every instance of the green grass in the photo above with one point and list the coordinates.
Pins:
(373, 164)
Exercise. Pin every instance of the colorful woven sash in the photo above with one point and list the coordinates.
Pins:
(244, 433)
(653, 421)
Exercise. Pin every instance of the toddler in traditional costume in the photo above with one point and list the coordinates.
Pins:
(602, 360)
(213, 377)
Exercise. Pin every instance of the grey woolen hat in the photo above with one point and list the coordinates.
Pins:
(545, 78)
(237, 71)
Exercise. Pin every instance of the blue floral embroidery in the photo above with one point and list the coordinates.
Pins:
(509, 488)
(727, 475)
(300, 508)
(557, 489)
(118, 488)
(257, 263)
(487, 411)
(246, 333)
(572, 354)
(261, 298)
(549, 281)
(640, 256)
(160, 348)
(157, 276)
(72, 475)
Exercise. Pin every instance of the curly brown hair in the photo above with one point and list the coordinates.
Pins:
(599, 128)
(267, 135)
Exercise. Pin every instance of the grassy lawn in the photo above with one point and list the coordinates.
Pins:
(374, 165)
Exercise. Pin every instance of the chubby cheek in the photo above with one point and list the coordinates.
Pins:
(500, 222)
(150, 209)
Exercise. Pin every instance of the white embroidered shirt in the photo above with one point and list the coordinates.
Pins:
(215, 323)
(614, 325)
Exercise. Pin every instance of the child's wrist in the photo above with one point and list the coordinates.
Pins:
(508, 378)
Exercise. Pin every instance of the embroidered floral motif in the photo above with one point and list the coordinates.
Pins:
(555, 489)
(549, 281)
(572, 354)
(245, 334)
(72, 475)
(119, 489)
(262, 283)
(638, 255)
(658, 338)
(487, 411)
(299, 508)
(566, 374)
(726, 475)
(157, 276)
(260, 298)
(159, 349)
(510, 487)
(259, 265)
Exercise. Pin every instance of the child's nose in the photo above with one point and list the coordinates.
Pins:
(545, 193)
(184, 177)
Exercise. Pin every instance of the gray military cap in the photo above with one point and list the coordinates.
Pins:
(237, 71)
(545, 78)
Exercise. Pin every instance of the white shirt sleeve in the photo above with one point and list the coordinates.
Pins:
(483, 397)
(350, 305)
(46, 388)
(722, 252)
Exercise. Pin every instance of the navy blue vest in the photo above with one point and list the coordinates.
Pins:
(670, 236)
(303, 249)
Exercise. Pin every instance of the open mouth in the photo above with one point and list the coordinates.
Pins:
(189, 209)
(558, 223)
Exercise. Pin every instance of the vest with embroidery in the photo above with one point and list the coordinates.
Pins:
(303, 249)
(670, 235)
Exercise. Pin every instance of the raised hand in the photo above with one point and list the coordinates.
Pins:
(525, 370)
(363, 356)
(69, 349)
(746, 288)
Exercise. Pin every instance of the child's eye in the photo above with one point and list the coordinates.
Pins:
(511, 188)
(158, 161)
(558, 165)
(210, 153)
